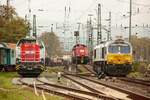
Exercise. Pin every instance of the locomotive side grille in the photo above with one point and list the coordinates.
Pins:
(30, 56)
(30, 53)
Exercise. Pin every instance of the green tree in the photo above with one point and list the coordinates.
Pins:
(12, 27)
(141, 48)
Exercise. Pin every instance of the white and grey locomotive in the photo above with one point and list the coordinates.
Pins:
(113, 58)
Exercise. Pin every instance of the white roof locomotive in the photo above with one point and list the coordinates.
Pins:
(113, 57)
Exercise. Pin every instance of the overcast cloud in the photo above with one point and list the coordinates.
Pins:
(54, 10)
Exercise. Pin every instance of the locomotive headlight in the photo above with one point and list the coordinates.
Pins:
(82, 51)
(110, 59)
(29, 52)
(42, 61)
(18, 60)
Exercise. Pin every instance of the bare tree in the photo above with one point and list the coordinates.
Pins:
(52, 44)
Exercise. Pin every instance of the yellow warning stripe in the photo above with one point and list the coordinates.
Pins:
(17, 67)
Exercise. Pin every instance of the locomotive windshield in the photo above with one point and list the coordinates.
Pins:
(113, 49)
(125, 49)
(119, 49)
(27, 41)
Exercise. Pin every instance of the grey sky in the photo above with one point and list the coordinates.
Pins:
(54, 10)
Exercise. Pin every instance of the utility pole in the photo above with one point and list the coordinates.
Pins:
(66, 24)
(51, 28)
(34, 26)
(99, 28)
(130, 18)
(109, 29)
(90, 36)
(29, 18)
(87, 33)
(7, 8)
(78, 38)
(8, 2)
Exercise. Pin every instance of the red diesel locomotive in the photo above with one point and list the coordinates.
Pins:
(80, 54)
(30, 57)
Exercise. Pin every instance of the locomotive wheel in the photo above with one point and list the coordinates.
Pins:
(94, 67)
(99, 70)
(100, 73)
(29, 75)
(9, 68)
(1, 68)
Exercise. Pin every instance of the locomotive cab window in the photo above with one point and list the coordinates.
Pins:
(26, 41)
(113, 49)
(119, 48)
(125, 49)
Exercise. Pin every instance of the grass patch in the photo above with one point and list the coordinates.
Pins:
(6, 78)
(139, 69)
(82, 69)
(55, 69)
(24, 95)
(16, 92)
(135, 75)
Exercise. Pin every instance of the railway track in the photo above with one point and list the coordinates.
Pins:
(133, 91)
(89, 68)
(131, 95)
(137, 81)
(68, 92)
(96, 88)
(132, 80)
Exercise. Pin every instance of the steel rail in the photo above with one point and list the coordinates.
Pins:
(68, 95)
(137, 81)
(96, 95)
(132, 95)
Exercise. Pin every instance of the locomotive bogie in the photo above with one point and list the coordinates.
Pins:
(118, 69)
(80, 60)
(35, 72)
(30, 69)
(112, 69)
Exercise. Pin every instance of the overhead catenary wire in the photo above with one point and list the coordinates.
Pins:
(135, 3)
(94, 3)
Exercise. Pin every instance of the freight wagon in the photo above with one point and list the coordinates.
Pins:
(7, 58)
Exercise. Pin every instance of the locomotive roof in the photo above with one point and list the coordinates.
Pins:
(7, 45)
(79, 45)
(30, 39)
(24, 39)
(11, 45)
(106, 43)
(3, 45)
